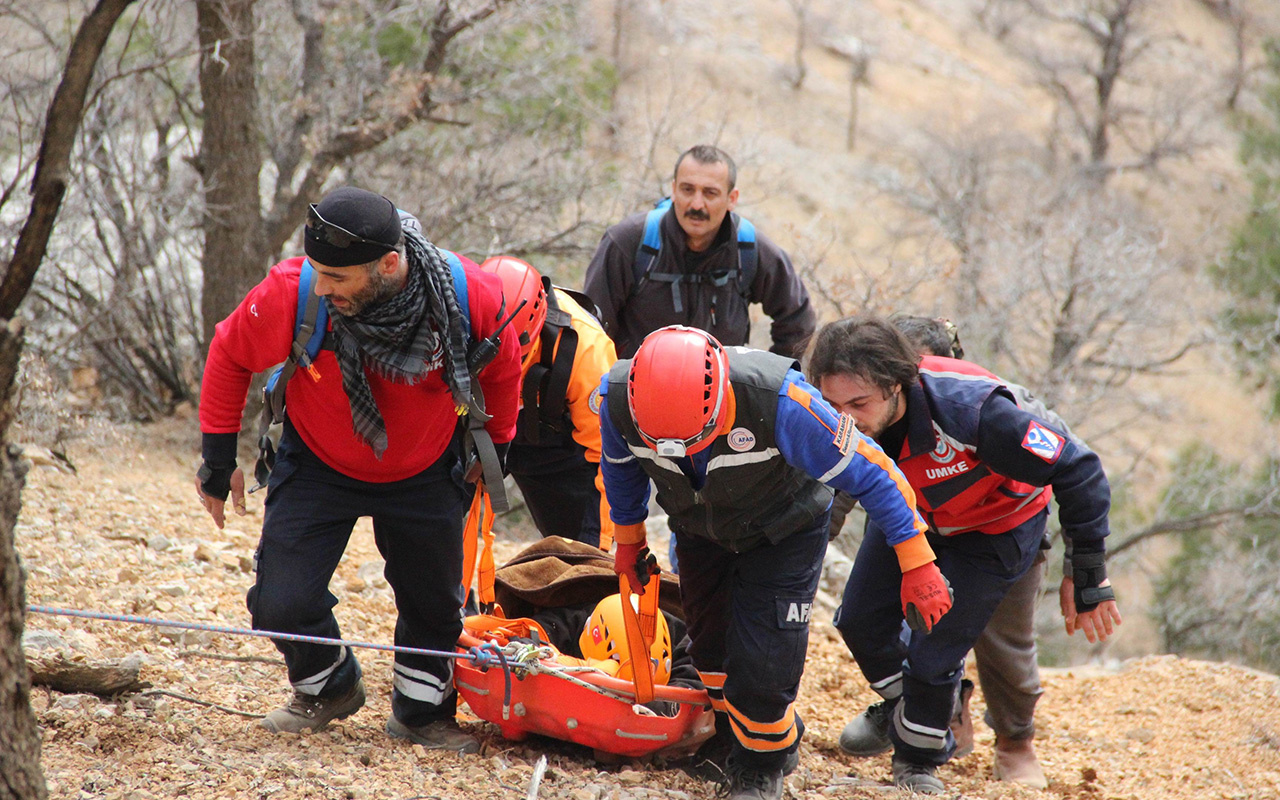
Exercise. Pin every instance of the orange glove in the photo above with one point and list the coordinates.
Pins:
(637, 563)
(926, 596)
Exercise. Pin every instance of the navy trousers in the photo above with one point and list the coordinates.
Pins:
(748, 619)
(417, 525)
(923, 674)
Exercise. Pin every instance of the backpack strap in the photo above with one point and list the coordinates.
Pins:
(543, 394)
(475, 435)
(748, 257)
(651, 246)
(460, 289)
(310, 326)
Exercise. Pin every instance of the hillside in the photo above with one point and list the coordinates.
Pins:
(124, 534)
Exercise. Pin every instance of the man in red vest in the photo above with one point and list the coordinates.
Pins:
(983, 470)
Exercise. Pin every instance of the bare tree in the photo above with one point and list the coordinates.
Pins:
(858, 55)
(1058, 284)
(20, 776)
(499, 163)
(1106, 94)
(799, 70)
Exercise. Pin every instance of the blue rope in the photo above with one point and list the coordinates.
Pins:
(482, 657)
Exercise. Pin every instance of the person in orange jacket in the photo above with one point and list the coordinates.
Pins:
(555, 457)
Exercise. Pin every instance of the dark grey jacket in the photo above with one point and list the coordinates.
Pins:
(748, 498)
(628, 317)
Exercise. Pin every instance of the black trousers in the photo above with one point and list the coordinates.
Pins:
(417, 524)
(559, 487)
(748, 616)
(922, 675)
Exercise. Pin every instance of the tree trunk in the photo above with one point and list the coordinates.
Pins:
(20, 775)
(235, 253)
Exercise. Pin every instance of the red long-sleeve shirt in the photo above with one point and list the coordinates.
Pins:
(420, 418)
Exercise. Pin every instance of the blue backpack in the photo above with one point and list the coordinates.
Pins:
(651, 246)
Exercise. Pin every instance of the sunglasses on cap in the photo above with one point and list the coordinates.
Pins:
(335, 235)
(953, 333)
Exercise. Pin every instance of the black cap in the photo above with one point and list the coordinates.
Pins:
(372, 219)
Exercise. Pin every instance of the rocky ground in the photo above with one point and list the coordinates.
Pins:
(124, 534)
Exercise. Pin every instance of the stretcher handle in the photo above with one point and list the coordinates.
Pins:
(637, 644)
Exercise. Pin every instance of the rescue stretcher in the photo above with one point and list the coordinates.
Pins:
(531, 688)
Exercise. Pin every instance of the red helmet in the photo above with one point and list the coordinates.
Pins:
(678, 390)
(521, 282)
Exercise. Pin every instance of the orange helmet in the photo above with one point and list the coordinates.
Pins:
(521, 282)
(678, 389)
(605, 638)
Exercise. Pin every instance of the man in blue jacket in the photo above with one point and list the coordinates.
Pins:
(742, 451)
(983, 470)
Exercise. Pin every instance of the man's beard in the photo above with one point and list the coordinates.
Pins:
(379, 289)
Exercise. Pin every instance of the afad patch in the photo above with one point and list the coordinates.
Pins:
(593, 400)
(846, 434)
(1043, 442)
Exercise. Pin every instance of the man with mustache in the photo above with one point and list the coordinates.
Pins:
(702, 271)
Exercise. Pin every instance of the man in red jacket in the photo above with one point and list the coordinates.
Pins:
(371, 429)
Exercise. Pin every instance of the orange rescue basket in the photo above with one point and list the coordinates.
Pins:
(553, 695)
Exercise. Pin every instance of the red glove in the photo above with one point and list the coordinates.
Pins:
(926, 596)
(637, 563)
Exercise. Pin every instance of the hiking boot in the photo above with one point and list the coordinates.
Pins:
(962, 722)
(868, 733)
(755, 784)
(918, 778)
(442, 734)
(310, 713)
(1016, 763)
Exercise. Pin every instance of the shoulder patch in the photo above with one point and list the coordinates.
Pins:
(593, 400)
(1042, 442)
(846, 434)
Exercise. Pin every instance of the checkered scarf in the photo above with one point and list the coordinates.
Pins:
(398, 339)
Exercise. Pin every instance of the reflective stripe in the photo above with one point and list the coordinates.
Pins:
(644, 452)
(840, 467)
(779, 726)
(312, 686)
(917, 735)
(738, 459)
(759, 744)
(626, 460)
(960, 376)
(423, 686)
(889, 688)
(712, 680)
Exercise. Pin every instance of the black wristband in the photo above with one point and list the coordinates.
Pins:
(1088, 571)
(215, 481)
(219, 449)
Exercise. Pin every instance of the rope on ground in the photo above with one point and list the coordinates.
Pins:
(275, 662)
(483, 657)
(199, 702)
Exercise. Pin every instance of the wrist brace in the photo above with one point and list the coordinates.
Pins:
(1088, 570)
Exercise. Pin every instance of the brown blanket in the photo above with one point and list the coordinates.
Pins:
(556, 572)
